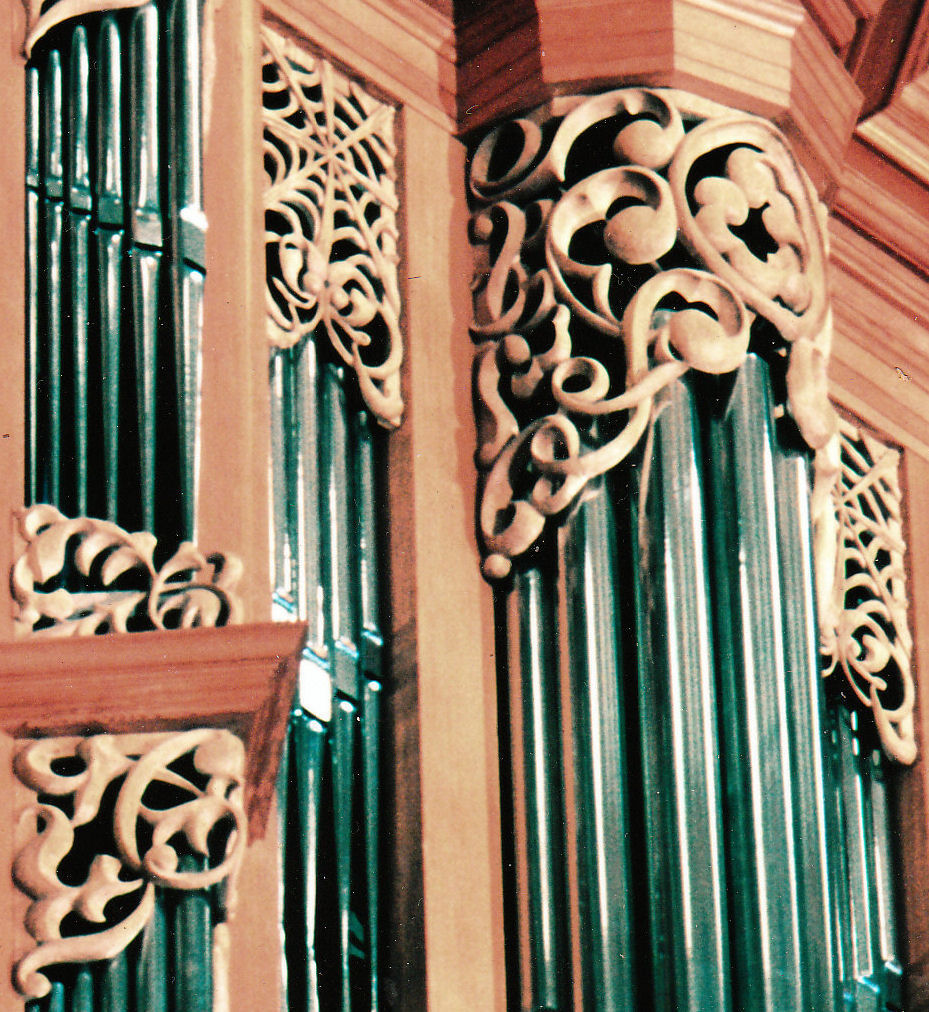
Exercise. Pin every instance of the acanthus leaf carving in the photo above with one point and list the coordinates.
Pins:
(622, 240)
(205, 817)
(330, 210)
(190, 589)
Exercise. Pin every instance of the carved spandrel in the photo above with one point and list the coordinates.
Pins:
(865, 633)
(622, 240)
(120, 586)
(330, 211)
(174, 794)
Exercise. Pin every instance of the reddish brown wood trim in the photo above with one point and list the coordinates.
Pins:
(240, 677)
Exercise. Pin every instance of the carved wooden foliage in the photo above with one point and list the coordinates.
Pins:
(330, 213)
(622, 240)
(144, 800)
(80, 576)
(865, 633)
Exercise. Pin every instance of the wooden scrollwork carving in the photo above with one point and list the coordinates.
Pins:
(118, 587)
(330, 211)
(864, 628)
(620, 241)
(198, 779)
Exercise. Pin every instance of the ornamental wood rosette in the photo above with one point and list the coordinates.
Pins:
(865, 632)
(622, 240)
(80, 576)
(145, 801)
(330, 219)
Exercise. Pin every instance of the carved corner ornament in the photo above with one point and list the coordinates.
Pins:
(80, 576)
(865, 634)
(97, 788)
(622, 240)
(331, 219)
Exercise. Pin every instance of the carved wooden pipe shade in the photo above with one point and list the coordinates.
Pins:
(621, 241)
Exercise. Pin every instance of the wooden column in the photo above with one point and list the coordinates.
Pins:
(442, 609)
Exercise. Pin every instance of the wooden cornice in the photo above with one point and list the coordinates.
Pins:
(239, 677)
(764, 56)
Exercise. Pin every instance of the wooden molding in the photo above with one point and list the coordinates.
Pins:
(878, 367)
(241, 678)
(881, 200)
(899, 131)
(766, 57)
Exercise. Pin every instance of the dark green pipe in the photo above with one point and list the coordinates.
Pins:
(144, 147)
(308, 738)
(51, 422)
(371, 760)
(817, 831)
(336, 501)
(862, 968)
(110, 302)
(600, 771)
(891, 970)
(305, 434)
(680, 745)
(284, 546)
(184, 31)
(114, 985)
(187, 341)
(79, 192)
(53, 152)
(765, 921)
(79, 242)
(109, 168)
(82, 999)
(192, 933)
(342, 745)
(144, 267)
(152, 970)
(368, 594)
(539, 754)
(52, 272)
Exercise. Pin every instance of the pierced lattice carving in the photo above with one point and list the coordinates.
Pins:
(197, 780)
(864, 627)
(622, 240)
(330, 212)
(121, 588)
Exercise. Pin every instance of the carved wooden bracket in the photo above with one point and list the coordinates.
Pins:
(330, 211)
(864, 626)
(120, 586)
(622, 240)
(198, 715)
(205, 801)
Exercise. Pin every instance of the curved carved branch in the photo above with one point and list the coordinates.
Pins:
(188, 590)
(205, 817)
(622, 240)
(330, 211)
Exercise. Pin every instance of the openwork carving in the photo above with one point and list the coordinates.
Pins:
(330, 212)
(622, 240)
(865, 633)
(119, 587)
(174, 794)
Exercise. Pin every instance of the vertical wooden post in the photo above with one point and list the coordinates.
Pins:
(442, 612)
